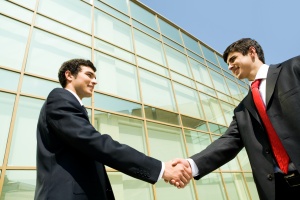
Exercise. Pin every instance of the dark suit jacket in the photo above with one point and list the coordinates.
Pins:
(71, 154)
(246, 129)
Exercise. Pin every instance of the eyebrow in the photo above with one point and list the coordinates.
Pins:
(231, 59)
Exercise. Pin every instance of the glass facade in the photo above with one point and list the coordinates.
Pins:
(160, 90)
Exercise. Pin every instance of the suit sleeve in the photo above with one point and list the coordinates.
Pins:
(219, 152)
(72, 127)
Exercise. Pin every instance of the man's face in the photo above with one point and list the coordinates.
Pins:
(240, 65)
(84, 82)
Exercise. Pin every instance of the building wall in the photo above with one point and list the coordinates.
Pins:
(160, 90)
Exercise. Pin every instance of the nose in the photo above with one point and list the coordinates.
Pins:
(94, 81)
(230, 66)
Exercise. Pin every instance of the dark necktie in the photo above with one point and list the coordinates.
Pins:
(280, 154)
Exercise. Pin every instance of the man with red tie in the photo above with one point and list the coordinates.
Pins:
(266, 123)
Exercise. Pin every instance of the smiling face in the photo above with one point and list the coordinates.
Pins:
(244, 66)
(83, 83)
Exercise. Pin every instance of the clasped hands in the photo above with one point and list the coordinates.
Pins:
(177, 172)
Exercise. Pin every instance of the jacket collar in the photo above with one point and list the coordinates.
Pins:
(272, 77)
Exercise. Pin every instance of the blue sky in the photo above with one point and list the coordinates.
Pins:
(275, 24)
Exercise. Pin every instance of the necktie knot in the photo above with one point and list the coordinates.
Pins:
(256, 83)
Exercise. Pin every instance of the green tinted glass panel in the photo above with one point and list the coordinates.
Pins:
(6, 106)
(161, 115)
(28, 111)
(73, 13)
(13, 39)
(45, 56)
(9, 80)
(38, 87)
(117, 105)
(157, 91)
(116, 77)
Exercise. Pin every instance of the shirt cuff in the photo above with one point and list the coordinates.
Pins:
(195, 170)
(161, 171)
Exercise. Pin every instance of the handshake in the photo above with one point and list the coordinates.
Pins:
(178, 172)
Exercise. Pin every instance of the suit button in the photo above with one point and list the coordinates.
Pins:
(270, 177)
(267, 151)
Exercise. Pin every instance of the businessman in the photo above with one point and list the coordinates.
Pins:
(266, 123)
(71, 153)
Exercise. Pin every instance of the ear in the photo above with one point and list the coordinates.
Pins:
(252, 50)
(68, 75)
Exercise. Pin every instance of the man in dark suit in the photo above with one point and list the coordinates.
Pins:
(71, 153)
(280, 92)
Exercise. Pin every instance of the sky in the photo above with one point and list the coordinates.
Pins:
(274, 24)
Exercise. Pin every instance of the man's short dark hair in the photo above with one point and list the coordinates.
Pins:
(74, 66)
(243, 46)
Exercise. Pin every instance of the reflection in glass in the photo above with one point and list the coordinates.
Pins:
(200, 73)
(219, 82)
(194, 123)
(182, 79)
(125, 130)
(128, 188)
(29, 4)
(157, 91)
(142, 15)
(196, 57)
(191, 44)
(117, 105)
(206, 89)
(196, 141)
(212, 109)
(149, 47)
(13, 39)
(178, 61)
(166, 143)
(228, 111)
(116, 77)
(74, 13)
(25, 130)
(113, 30)
(211, 187)
(209, 55)
(150, 66)
(161, 115)
(9, 80)
(235, 186)
(19, 185)
(38, 87)
(62, 30)
(119, 5)
(234, 89)
(45, 56)
(188, 101)
(145, 29)
(251, 186)
(114, 51)
(225, 97)
(217, 129)
(169, 31)
(173, 44)
(13, 10)
(244, 160)
(6, 108)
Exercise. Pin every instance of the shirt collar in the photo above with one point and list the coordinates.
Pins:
(77, 97)
(261, 73)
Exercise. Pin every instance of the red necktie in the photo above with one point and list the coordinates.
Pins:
(280, 154)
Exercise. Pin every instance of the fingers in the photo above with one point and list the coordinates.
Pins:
(178, 172)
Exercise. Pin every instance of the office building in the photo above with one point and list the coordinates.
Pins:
(160, 90)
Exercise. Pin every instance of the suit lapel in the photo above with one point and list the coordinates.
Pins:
(249, 104)
(272, 77)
